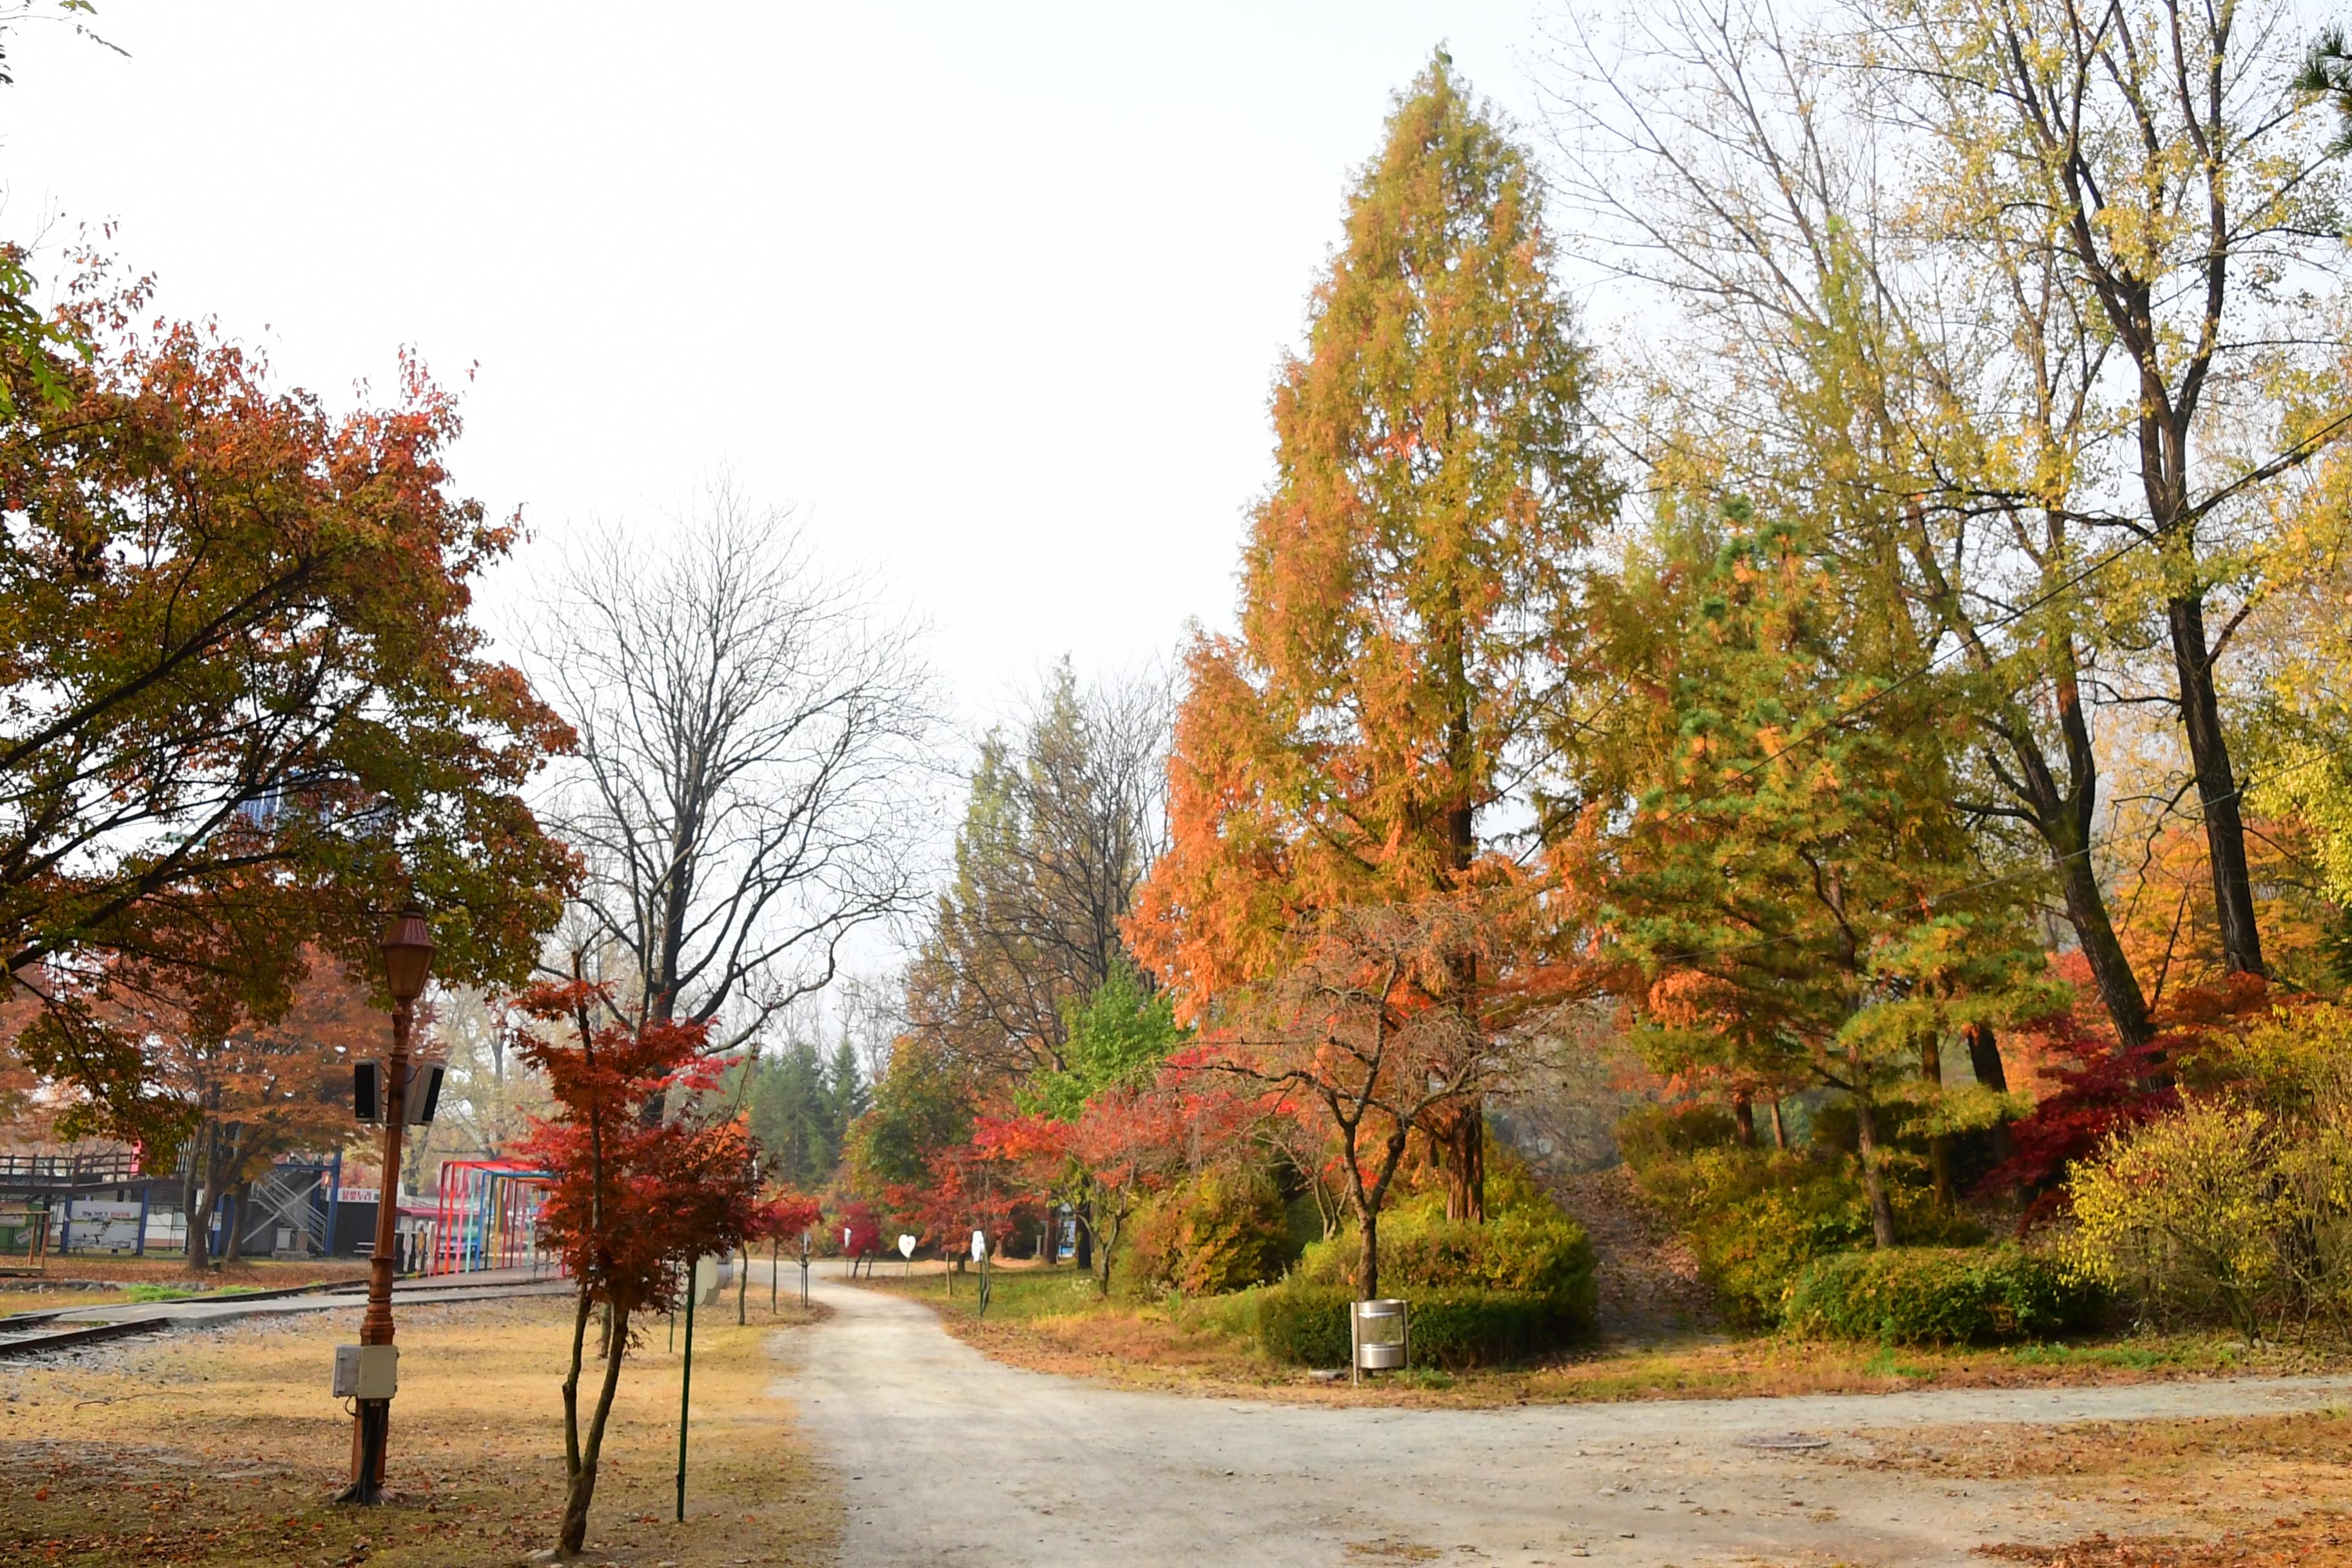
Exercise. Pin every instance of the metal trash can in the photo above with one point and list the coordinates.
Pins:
(1381, 1335)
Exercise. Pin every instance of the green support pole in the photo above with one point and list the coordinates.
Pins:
(685, 1386)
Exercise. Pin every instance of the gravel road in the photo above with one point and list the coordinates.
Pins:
(947, 1456)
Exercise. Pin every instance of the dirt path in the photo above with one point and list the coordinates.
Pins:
(1651, 1291)
(946, 1457)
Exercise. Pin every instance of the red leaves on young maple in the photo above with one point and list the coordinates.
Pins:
(634, 1199)
(2107, 1090)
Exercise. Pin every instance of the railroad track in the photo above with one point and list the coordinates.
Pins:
(19, 1338)
(33, 1333)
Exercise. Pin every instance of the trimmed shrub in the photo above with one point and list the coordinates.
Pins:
(1480, 1294)
(1939, 1296)
(1529, 1250)
(1219, 1231)
(1306, 1325)
(1458, 1329)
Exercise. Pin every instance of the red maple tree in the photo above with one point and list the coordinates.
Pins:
(634, 1198)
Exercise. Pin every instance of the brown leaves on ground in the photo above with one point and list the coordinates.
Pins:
(2309, 1447)
(2261, 1491)
(2313, 1541)
(268, 1274)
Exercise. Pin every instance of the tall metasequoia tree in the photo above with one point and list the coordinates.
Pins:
(1404, 588)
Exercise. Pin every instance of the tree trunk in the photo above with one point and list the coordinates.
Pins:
(188, 1197)
(1779, 1128)
(1984, 1060)
(1743, 1119)
(2217, 788)
(1367, 1256)
(2062, 806)
(200, 1242)
(239, 1222)
(581, 1490)
(1463, 1150)
(1939, 1144)
(1082, 1218)
(1874, 1180)
(2087, 912)
(200, 1237)
(572, 1383)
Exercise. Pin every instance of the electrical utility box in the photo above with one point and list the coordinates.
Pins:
(366, 1372)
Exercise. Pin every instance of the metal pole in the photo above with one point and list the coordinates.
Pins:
(373, 1427)
(685, 1386)
(334, 1202)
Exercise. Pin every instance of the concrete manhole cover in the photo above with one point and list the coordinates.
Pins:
(1783, 1442)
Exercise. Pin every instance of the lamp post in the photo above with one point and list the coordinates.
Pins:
(407, 958)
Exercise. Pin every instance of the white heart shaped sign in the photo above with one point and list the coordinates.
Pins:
(906, 1246)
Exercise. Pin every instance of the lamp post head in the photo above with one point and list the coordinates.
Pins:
(408, 954)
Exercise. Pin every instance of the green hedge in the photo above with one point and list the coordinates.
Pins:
(1528, 1250)
(1939, 1295)
(1306, 1325)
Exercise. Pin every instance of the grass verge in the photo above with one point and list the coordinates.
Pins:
(1054, 1320)
(222, 1448)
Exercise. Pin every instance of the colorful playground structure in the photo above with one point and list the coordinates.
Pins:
(487, 1217)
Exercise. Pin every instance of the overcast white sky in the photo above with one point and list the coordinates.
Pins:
(993, 293)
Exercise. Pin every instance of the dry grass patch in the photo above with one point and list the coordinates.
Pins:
(2305, 1447)
(221, 1447)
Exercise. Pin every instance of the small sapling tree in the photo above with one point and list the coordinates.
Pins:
(633, 1195)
